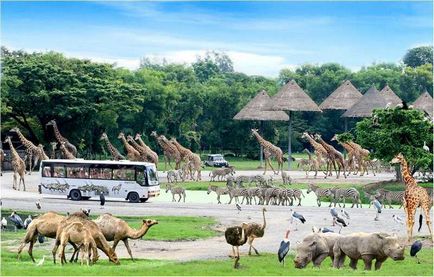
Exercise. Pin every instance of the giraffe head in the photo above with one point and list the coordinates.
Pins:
(335, 137)
(254, 132)
(62, 145)
(173, 139)
(121, 135)
(8, 140)
(137, 136)
(51, 123)
(130, 138)
(15, 130)
(305, 135)
(317, 136)
(103, 136)
(40, 146)
(53, 145)
(153, 134)
(398, 159)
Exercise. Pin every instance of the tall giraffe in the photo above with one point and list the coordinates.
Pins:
(270, 150)
(169, 150)
(351, 150)
(33, 155)
(71, 148)
(65, 152)
(113, 151)
(414, 196)
(191, 157)
(334, 157)
(132, 154)
(53, 150)
(319, 150)
(152, 156)
(363, 157)
(42, 152)
(18, 166)
(140, 149)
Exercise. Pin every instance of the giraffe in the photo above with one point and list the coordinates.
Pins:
(270, 150)
(113, 151)
(363, 158)
(71, 148)
(169, 150)
(18, 166)
(140, 149)
(65, 152)
(42, 152)
(53, 150)
(351, 150)
(414, 196)
(132, 154)
(152, 156)
(189, 157)
(319, 150)
(334, 156)
(32, 151)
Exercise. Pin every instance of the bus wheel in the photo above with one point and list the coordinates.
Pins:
(133, 197)
(143, 200)
(75, 195)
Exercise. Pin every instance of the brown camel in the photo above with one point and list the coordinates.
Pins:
(116, 229)
(97, 235)
(255, 230)
(79, 234)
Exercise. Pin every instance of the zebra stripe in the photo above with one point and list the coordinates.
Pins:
(320, 192)
(347, 193)
(390, 196)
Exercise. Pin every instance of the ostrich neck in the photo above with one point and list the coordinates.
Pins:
(136, 234)
(243, 234)
(265, 222)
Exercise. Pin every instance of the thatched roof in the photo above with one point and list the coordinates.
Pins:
(390, 96)
(343, 98)
(424, 102)
(371, 100)
(254, 110)
(291, 98)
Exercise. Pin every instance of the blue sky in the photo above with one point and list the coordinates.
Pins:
(260, 37)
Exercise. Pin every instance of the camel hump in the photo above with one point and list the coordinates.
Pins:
(77, 225)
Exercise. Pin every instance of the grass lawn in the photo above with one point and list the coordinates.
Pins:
(170, 228)
(266, 264)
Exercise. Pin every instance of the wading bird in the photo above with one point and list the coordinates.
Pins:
(284, 248)
(416, 247)
(27, 221)
(16, 220)
(377, 206)
(102, 200)
(340, 222)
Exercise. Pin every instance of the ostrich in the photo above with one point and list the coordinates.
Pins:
(255, 230)
(236, 236)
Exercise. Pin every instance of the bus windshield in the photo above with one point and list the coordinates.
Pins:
(152, 177)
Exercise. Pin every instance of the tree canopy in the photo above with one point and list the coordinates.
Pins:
(195, 103)
(419, 56)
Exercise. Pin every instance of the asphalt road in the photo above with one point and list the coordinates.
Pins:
(362, 219)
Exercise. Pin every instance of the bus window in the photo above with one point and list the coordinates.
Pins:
(77, 171)
(46, 171)
(140, 175)
(59, 171)
(124, 173)
(99, 172)
(152, 176)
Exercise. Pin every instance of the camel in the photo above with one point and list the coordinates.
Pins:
(255, 230)
(116, 229)
(44, 225)
(79, 234)
(96, 233)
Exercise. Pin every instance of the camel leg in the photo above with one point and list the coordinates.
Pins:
(30, 251)
(115, 243)
(128, 248)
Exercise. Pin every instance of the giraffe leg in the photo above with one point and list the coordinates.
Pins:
(269, 162)
(426, 209)
(410, 222)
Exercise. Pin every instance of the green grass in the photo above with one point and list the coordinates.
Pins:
(250, 266)
(170, 228)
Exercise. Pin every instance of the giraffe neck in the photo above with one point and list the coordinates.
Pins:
(181, 148)
(313, 143)
(14, 152)
(57, 134)
(260, 139)
(135, 144)
(325, 145)
(142, 143)
(125, 142)
(27, 143)
(110, 147)
(406, 175)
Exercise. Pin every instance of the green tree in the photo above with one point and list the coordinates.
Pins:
(419, 56)
(393, 131)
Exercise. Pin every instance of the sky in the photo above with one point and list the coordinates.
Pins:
(261, 38)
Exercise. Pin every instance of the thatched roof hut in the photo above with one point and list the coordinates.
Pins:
(254, 110)
(371, 100)
(291, 98)
(390, 96)
(343, 98)
(424, 102)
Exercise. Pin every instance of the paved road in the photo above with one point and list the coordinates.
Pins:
(277, 221)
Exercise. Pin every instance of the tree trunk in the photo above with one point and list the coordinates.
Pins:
(398, 173)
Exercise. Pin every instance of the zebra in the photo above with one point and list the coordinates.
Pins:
(172, 176)
(253, 193)
(296, 194)
(176, 190)
(235, 193)
(270, 195)
(285, 197)
(390, 196)
(320, 192)
(219, 191)
(342, 194)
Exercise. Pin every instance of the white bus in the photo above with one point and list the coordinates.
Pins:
(82, 179)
